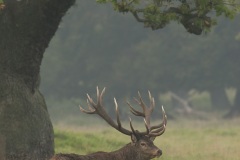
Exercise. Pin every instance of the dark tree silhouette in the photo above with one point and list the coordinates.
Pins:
(26, 28)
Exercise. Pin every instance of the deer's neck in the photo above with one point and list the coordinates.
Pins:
(127, 152)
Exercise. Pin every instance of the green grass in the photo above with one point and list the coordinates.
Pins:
(183, 140)
(86, 142)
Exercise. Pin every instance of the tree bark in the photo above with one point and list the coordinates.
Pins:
(26, 29)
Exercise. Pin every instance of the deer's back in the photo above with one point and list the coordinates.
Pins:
(61, 156)
(93, 156)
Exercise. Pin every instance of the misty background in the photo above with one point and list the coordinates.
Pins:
(191, 76)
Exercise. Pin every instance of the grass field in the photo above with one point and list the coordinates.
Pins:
(183, 140)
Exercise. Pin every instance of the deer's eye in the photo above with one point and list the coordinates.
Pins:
(143, 144)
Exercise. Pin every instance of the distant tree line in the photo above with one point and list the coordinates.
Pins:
(107, 49)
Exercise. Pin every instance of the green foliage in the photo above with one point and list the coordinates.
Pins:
(224, 10)
(154, 13)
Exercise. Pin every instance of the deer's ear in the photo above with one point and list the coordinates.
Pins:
(133, 138)
(152, 138)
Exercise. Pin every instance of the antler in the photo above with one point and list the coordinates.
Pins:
(152, 131)
(97, 108)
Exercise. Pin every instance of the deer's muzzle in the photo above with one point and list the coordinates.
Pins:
(158, 153)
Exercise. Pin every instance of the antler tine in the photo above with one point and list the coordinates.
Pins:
(90, 101)
(91, 110)
(141, 103)
(164, 122)
(147, 127)
(158, 132)
(99, 109)
(100, 95)
(146, 113)
(134, 111)
(164, 115)
(131, 126)
(147, 110)
(159, 129)
(155, 134)
(117, 114)
(152, 102)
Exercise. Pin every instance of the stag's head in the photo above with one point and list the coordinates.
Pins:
(142, 142)
(145, 148)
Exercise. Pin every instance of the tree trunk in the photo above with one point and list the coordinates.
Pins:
(180, 101)
(237, 102)
(26, 29)
(219, 99)
(235, 110)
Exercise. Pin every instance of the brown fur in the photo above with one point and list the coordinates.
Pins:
(142, 149)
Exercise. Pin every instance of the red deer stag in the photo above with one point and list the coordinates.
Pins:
(141, 147)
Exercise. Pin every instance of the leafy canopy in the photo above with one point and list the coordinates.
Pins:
(195, 15)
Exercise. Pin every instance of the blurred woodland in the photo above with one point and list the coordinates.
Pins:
(186, 52)
(95, 46)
